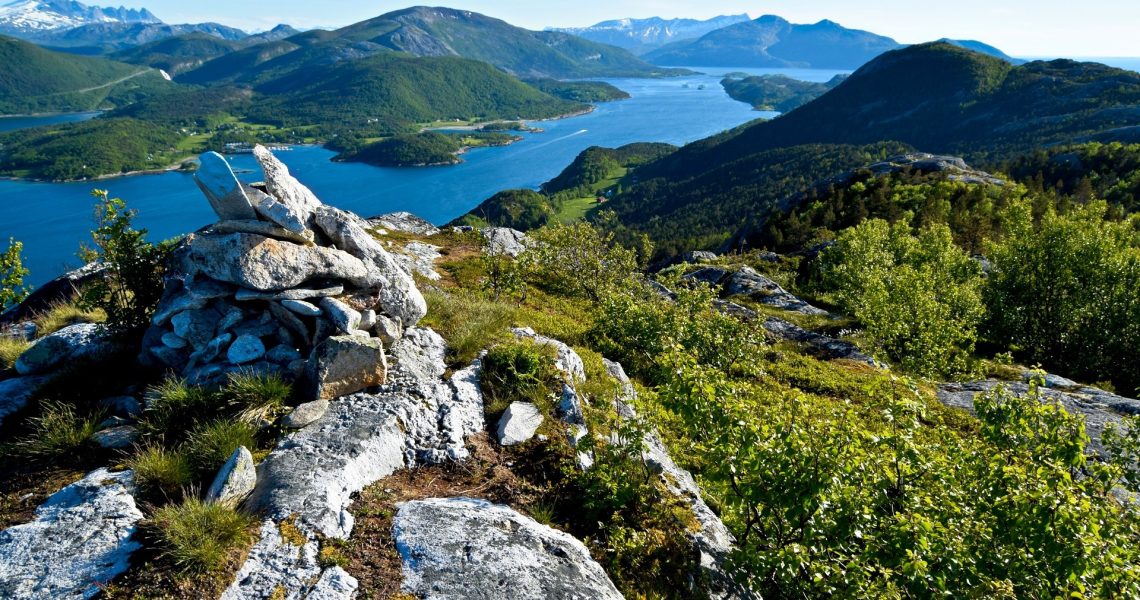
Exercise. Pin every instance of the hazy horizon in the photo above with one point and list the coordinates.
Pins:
(1023, 28)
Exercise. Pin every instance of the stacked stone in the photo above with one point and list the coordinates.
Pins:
(280, 284)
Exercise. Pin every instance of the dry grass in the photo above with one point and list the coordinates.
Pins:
(10, 350)
(64, 314)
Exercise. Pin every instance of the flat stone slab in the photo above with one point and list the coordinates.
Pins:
(80, 538)
(461, 548)
(518, 424)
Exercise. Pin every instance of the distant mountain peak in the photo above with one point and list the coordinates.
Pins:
(32, 16)
(643, 35)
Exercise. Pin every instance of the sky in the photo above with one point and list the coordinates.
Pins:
(1026, 28)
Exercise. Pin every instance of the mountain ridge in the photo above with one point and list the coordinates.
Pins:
(643, 35)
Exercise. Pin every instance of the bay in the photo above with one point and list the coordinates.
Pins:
(14, 122)
(52, 219)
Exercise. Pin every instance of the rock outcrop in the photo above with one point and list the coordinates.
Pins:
(404, 222)
(745, 281)
(271, 286)
(80, 539)
(1097, 407)
(84, 341)
(459, 548)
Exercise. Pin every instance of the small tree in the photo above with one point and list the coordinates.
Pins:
(12, 273)
(505, 274)
(580, 259)
(132, 284)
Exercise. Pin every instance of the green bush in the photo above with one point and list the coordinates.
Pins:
(60, 430)
(1063, 293)
(132, 284)
(210, 445)
(199, 537)
(161, 474)
(12, 273)
(919, 297)
(580, 260)
(518, 372)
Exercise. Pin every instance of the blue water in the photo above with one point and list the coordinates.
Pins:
(53, 219)
(14, 123)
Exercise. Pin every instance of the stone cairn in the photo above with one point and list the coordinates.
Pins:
(281, 284)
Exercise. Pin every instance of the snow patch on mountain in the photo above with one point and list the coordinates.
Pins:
(27, 16)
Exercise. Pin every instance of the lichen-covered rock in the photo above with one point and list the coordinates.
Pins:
(245, 349)
(235, 480)
(277, 567)
(301, 307)
(420, 258)
(346, 364)
(334, 584)
(416, 418)
(747, 282)
(399, 296)
(465, 549)
(262, 228)
(265, 264)
(81, 537)
(342, 315)
(503, 240)
(283, 186)
(404, 222)
(306, 414)
(84, 341)
(518, 424)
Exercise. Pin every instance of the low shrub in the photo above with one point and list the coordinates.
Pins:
(200, 537)
(518, 372)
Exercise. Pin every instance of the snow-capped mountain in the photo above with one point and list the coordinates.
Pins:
(37, 16)
(643, 35)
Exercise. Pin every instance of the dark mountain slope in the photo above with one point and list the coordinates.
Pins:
(177, 54)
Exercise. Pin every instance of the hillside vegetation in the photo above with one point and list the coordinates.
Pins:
(34, 80)
(777, 92)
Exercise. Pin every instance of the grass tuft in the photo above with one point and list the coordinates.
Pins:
(65, 314)
(174, 407)
(200, 537)
(161, 474)
(518, 372)
(468, 323)
(10, 350)
(256, 397)
(209, 446)
(59, 430)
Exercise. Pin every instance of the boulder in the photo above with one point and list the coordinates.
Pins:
(821, 345)
(60, 290)
(221, 187)
(301, 307)
(244, 295)
(173, 341)
(570, 408)
(747, 282)
(266, 264)
(81, 536)
(263, 228)
(342, 315)
(399, 297)
(235, 480)
(283, 186)
(565, 358)
(518, 424)
(404, 222)
(306, 414)
(245, 349)
(503, 240)
(84, 341)
(712, 276)
(417, 418)
(698, 256)
(345, 364)
(16, 392)
(124, 406)
(116, 438)
(388, 330)
(460, 548)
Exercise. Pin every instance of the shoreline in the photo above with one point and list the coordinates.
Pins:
(50, 114)
(480, 124)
